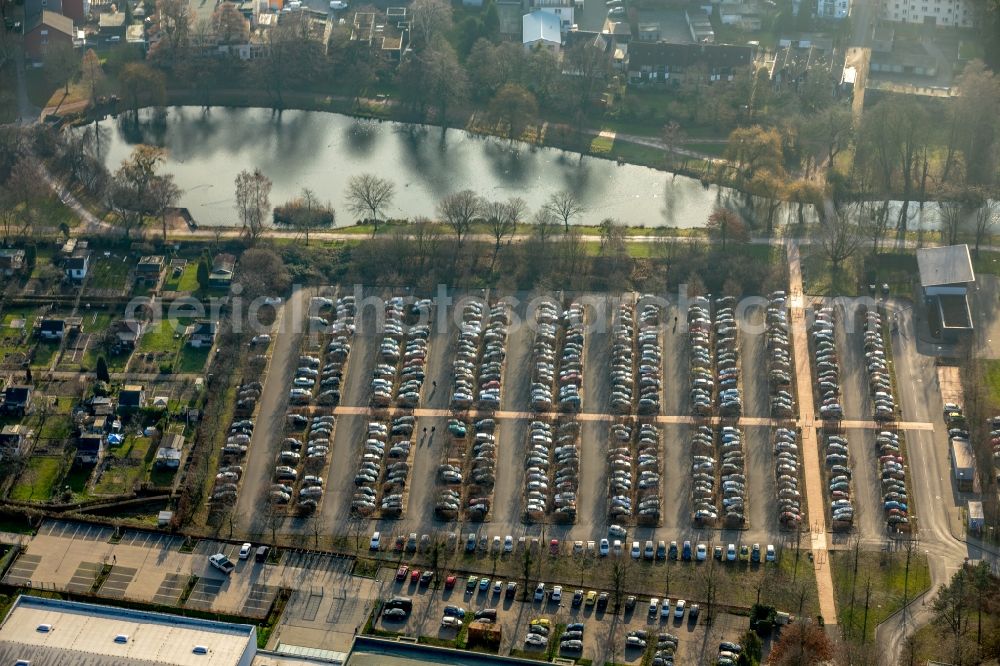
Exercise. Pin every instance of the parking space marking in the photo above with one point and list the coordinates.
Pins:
(84, 578)
(259, 600)
(22, 570)
(204, 592)
(117, 581)
(170, 589)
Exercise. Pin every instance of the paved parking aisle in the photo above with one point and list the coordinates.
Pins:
(84, 578)
(170, 590)
(22, 570)
(259, 600)
(117, 581)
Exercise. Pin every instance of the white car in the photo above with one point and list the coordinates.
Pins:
(536, 639)
(450, 621)
(376, 541)
(272, 300)
(605, 547)
(245, 551)
(556, 594)
(701, 554)
(636, 551)
(769, 554)
(679, 609)
(508, 544)
(617, 547)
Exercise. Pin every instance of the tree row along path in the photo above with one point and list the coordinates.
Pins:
(810, 447)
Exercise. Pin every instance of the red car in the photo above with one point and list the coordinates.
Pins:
(554, 547)
(401, 573)
(449, 582)
(415, 575)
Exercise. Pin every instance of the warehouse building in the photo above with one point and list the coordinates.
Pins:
(52, 632)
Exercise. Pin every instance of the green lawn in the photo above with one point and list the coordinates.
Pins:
(186, 282)
(44, 353)
(852, 278)
(109, 273)
(130, 463)
(162, 338)
(887, 573)
(192, 359)
(39, 480)
(987, 262)
(992, 380)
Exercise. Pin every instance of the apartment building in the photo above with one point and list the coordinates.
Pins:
(949, 13)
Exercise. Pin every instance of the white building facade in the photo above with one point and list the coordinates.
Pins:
(833, 9)
(948, 13)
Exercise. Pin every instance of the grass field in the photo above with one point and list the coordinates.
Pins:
(992, 373)
(109, 273)
(887, 573)
(38, 482)
(130, 464)
(851, 279)
(186, 282)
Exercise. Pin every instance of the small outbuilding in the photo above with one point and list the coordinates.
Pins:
(945, 276)
(976, 519)
(541, 30)
(168, 455)
(963, 462)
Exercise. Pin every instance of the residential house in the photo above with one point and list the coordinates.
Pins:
(131, 397)
(564, 10)
(949, 13)
(149, 268)
(700, 26)
(111, 26)
(662, 62)
(541, 30)
(388, 33)
(89, 448)
(835, 9)
(51, 329)
(168, 454)
(76, 266)
(13, 441)
(11, 261)
(223, 269)
(128, 332)
(47, 29)
(743, 15)
(102, 406)
(17, 399)
(97, 425)
(202, 333)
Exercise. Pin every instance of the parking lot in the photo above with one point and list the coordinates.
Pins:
(604, 632)
(326, 605)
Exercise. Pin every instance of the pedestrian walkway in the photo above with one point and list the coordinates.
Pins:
(810, 447)
(763, 422)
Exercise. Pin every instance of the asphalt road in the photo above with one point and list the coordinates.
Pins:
(269, 426)
(930, 483)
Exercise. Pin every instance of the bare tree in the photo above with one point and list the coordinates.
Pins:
(727, 225)
(502, 218)
(367, 194)
(839, 238)
(429, 19)
(673, 136)
(253, 203)
(458, 211)
(986, 218)
(163, 195)
(566, 206)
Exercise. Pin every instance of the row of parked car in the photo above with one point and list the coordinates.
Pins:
(704, 489)
(552, 471)
(727, 358)
(623, 482)
(827, 365)
(779, 357)
(838, 475)
(491, 340)
(230, 472)
(895, 502)
(327, 377)
(624, 393)
(388, 447)
(786, 472)
(402, 354)
(877, 364)
(303, 461)
(729, 654)
(482, 472)
(699, 321)
(548, 389)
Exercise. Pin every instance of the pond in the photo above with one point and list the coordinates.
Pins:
(321, 151)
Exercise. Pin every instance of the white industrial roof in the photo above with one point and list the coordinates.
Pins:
(945, 265)
(86, 634)
(540, 26)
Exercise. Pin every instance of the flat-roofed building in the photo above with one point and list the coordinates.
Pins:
(52, 632)
(945, 275)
